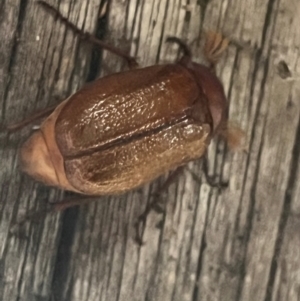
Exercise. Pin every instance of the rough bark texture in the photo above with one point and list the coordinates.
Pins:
(242, 243)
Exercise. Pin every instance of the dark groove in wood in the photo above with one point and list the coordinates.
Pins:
(285, 213)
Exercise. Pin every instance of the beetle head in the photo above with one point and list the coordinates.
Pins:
(214, 92)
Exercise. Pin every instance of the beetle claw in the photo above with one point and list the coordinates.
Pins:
(138, 233)
(183, 47)
(212, 182)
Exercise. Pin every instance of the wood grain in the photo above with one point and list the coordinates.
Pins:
(241, 243)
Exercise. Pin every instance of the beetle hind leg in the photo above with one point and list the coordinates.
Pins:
(52, 208)
(34, 117)
(131, 61)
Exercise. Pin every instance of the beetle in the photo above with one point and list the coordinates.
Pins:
(126, 129)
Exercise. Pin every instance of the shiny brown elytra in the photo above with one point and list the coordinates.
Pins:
(128, 128)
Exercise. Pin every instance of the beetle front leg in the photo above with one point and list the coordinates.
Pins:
(187, 54)
(215, 45)
(131, 61)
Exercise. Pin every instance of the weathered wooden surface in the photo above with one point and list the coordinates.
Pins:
(240, 244)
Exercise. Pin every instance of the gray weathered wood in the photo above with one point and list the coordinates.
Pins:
(240, 244)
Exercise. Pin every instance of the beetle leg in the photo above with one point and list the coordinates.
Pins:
(63, 205)
(19, 125)
(183, 47)
(52, 208)
(132, 63)
(170, 180)
(155, 204)
(187, 54)
(210, 180)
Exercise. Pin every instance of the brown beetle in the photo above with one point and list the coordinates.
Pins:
(126, 129)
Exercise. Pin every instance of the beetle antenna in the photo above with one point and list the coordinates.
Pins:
(235, 137)
(183, 47)
(215, 45)
(132, 63)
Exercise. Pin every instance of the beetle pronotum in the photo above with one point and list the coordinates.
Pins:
(128, 128)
